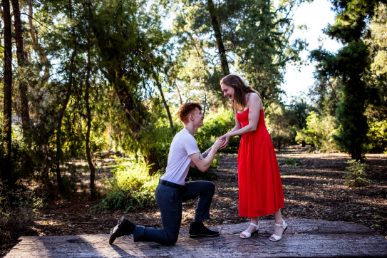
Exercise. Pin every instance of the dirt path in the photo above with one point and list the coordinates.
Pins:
(313, 190)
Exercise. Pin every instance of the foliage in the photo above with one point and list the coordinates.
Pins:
(18, 207)
(376, 137)
(263, 47)
(318, 132)
(215, 125)
(278, 124)
(350, 65)
(131, 186)
(196, 174)
(256, 36)
(289, 161)
(355, 174)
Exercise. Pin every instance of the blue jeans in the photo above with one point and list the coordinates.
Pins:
(170, 200)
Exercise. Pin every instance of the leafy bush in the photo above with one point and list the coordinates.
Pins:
(377, 137)
(131, 186)
(278, 124)
(290, 161)
(215, 125)
(196, 174)
(355, 174)
(18, 208)
(319, 132)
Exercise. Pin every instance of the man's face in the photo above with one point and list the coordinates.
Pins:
(197, 118)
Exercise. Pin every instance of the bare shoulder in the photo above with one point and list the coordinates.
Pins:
(254, 101)
(254, 97)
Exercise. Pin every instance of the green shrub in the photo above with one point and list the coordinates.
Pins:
(18, 208)
(319, 131)
(215, 125)
(376, 137)
(209, 175)
(131, 186)
(290, 161)
(355, 174)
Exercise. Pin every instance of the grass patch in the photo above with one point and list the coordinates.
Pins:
(290, 161)
(356, 174)
(131, 186)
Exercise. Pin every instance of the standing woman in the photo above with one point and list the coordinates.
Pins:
(260, 187)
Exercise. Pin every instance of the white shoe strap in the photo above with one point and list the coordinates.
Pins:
(256, 226)
(283, 224)
(276, 237)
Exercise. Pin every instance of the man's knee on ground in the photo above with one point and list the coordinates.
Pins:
(171, 240)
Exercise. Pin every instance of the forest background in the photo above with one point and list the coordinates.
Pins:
(82, 78)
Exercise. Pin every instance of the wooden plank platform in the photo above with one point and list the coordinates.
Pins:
(304, 238)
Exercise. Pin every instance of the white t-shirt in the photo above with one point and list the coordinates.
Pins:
(183, 145)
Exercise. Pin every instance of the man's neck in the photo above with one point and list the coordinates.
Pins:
(191, 128)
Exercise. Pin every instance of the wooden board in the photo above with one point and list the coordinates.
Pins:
(304, 238)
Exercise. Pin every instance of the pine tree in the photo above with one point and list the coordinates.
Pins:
(7, 105)
(351, 64)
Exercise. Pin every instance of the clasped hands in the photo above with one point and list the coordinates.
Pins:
(224, 139)
(221, 142)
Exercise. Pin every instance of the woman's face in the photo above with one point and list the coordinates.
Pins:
(228, 91)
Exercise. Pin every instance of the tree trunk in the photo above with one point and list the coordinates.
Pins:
(151, 158)
(165, 103)
(21, 60)
(178, 92)
(279, 144)
(303, 143)
(7, 116)
(42, 55)
(135, 112)
(218, 36)
(88, 151)
(59, 127)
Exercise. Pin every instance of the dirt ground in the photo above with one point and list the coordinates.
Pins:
(313, 190)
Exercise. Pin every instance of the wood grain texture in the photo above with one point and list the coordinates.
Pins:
(304, 238)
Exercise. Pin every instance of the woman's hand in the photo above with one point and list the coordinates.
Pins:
(225, 138)
(218, 143)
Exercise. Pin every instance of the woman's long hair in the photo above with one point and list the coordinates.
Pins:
(240, 90)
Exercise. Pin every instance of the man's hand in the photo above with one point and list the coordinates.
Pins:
(218, 144)
(225, 139)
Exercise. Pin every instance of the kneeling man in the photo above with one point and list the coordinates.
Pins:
(173, 190)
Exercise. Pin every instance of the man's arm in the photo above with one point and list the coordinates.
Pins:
(203, 163)
(205, 154)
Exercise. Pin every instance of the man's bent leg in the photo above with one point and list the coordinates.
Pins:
(170, 204)
(205, 190)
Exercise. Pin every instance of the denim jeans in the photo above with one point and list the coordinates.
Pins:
(170, 200)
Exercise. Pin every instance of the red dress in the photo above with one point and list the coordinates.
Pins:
(260, 187)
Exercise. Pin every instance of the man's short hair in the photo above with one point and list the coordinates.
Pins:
(186, 109)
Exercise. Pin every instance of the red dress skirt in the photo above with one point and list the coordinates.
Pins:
(260, 186)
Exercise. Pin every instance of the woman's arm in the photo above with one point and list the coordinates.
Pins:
(254, 111)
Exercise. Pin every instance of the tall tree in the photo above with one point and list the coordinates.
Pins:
(351, 64)
(22, 62)
(7, 105)
(87, 101)
(128, 58)
(218, 36)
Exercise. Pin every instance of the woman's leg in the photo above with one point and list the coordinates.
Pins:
(251, 228)
(278, 220)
